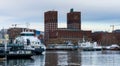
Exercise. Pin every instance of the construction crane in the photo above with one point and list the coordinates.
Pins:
(27, 25)
(113, 26)
(14, 25)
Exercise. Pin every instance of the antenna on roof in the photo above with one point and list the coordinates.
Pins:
(71, 10)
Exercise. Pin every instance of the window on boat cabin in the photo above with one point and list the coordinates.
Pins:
(27, 34)
(28, 41)
(38, 42)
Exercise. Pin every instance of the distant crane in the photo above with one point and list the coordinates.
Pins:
(15, 25)
(113, 26)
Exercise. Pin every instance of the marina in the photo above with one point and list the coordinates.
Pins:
(33, 35)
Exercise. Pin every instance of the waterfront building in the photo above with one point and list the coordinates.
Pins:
(73, 32)
(64, 35)
(106, 38)
(51, 21)
(14, 32)
(2, 33)
(117, 35)
(116, 31)
(74, 20)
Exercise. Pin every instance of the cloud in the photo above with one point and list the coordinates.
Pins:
(22, 11)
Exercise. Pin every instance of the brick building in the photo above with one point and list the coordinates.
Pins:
(73, 32)
(63, 35)
(51, 21)
(106, 38)
(117, 36)
(14, 32)
(74, 20)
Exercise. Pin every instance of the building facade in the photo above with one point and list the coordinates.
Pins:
(74, 20)
(51, 21)
(106, 38)
(73, 32)
(63, 35)
(14, 32)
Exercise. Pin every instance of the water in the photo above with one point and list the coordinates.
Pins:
(68, 58)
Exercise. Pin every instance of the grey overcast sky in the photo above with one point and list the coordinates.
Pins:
(96, 14)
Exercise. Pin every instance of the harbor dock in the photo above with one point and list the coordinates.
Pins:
(66, 49)
(61, 47)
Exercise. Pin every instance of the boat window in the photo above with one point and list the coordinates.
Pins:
(27, 34)
(28, 41)
(36, 42)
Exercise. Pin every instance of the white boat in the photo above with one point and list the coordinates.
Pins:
(87, 45)
(30, 42)
(96, 46)
(68, 45)
(113, 47)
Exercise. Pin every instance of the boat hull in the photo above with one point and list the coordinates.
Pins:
(38, 51)
(17, 54)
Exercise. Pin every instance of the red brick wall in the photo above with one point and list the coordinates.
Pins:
(14, 32)
(72, 35)
(74, 20)
(105, 38)
(50, 20)
(117, 35)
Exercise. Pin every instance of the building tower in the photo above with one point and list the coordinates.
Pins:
(74, 20)
(51, 20)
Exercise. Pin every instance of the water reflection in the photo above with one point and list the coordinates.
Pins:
(2, 63)
(99, 58)
(34, 61)
(62, 58)
(69, 58)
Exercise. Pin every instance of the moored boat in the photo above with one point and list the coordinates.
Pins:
(89, 46)
(112, 47)
(28, 39)
(67, 46)
(15, 51)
